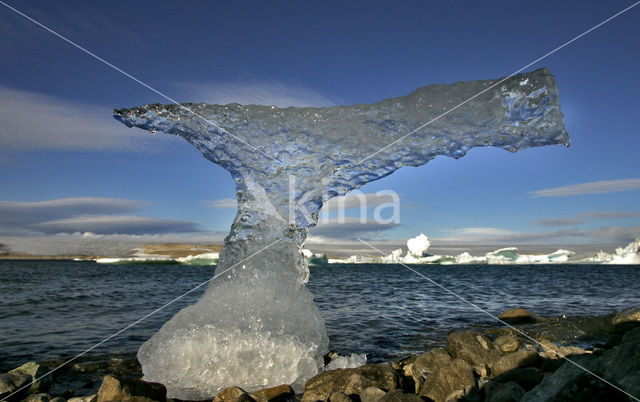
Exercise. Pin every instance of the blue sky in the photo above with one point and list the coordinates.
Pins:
(66, 161)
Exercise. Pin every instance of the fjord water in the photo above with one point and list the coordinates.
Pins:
(57, 309)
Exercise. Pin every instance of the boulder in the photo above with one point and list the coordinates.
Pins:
(37, 372)
(502, 392)
(472, 347)
(520, 316)
(371, 394)
(619, 366)
(233, 394)
(429, 362)
(121, 389)
(340, 396)
(526, 377)
(41, 397)
(280, 393)
(521, 358)
(396, 395)
(506, 343)
(12, 382)
(631, 336)
(627, 318)
(453, 376)
(350, 381)
(90, 398)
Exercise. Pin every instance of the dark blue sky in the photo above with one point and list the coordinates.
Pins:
(58, 139)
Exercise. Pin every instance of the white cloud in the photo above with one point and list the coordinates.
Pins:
(221, 203)
(252, 92)
(33, 121)
(596, 187)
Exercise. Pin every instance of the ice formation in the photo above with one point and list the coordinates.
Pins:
(256, 325)
(419, 245)
(622, 255)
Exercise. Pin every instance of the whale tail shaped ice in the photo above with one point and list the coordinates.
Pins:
(256, 325)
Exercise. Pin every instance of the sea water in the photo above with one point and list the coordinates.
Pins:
(57, 309)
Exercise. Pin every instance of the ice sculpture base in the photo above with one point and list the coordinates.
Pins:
(256, 326)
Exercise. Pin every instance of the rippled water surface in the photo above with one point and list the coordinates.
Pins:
(57, 309)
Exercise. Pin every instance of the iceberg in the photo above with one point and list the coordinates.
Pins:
(630, 254)
(256, 324)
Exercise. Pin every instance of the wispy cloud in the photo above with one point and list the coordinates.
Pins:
(109, 224)
(347, 229)
(221, 203)
(587, 217)
(33, 121)
(358, 200)
(252, 92)
(595, 187)
(83, 214)
(609, 234)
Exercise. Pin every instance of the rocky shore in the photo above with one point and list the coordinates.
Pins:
(498, 364)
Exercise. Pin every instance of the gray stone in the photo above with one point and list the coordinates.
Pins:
(506, 343)
(631, 336)
(521, 358)
(90, 398)
(455, 375)
(472, 347)
(36, 371)
(629, 316)
(396, 395)
(12, 382)
(58, 399)
(121, 389)
(371, 394)
(280, 393)
(502, 392)
(520, 316)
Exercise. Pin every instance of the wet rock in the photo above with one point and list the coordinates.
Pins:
(120, 389)
(631, 336)
(527, 377)
(371, 394)
(432, 360)
(90, 398)
(41, 397)
(12, 382)
(627, 319)
(396, 395)
(472, 347)
(506, 343)
(36, 371)
(233, 394)
(520, 316)
(455, 375)
(350, 381)
(570, 350)
(339, 396)
(587, 388)
(280, 393)
(522, 358)
(620, 366)
(502, 392)
(58, 399)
